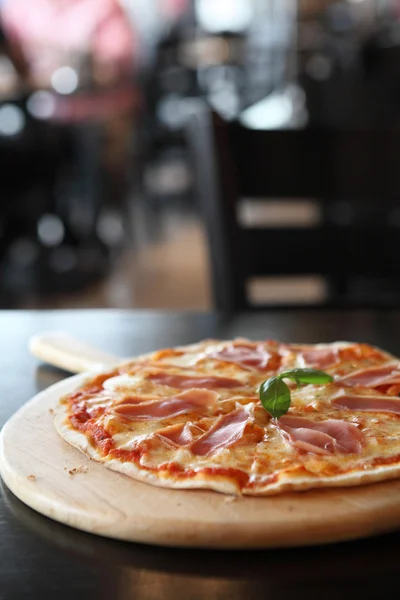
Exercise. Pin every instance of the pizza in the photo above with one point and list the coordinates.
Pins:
(190, 417)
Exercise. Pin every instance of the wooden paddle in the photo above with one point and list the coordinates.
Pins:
(66, 352)
(57, 480)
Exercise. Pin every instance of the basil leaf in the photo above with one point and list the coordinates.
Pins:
(275, 394)
(307, 376)
(275, 397)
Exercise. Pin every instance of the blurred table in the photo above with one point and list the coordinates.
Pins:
(43, 559)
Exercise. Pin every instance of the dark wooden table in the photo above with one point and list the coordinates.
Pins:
(40, 558)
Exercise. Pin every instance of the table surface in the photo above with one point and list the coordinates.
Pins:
(43, 559)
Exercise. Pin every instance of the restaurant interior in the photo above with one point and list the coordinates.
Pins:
(231, 164)
(194, 154)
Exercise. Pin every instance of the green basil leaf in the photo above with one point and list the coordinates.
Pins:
(275, 397)
(307, 376)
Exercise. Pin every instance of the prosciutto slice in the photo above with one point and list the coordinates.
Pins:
(185, 382)
(227, 430)
(189, 401)
(374, 376)
(324, 437)
(320, 357)
(247, 355)
(179, 435)
(315, 442)
(385, 404)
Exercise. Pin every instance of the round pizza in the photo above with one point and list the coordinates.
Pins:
(195, 416)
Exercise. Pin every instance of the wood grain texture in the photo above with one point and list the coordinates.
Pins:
(66, 352)
(43, 471)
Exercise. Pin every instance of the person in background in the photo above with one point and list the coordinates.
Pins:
(53, 33)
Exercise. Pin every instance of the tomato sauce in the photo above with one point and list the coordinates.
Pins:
(91, 389)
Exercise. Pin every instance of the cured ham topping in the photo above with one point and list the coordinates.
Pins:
(189, 401)
(132, 399)
(391, 390)
(248, 355)
(360, 351)
(314, 442)
(320, 357)
(324, 437)
(180, 434)
(185, 382)
(227, 430)
(374, 377)
(368, 403)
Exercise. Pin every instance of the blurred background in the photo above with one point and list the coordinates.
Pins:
(127, 127)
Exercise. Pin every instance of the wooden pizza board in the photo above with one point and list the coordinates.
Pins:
(55, 479)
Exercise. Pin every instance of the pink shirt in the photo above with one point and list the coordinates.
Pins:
(51, 30)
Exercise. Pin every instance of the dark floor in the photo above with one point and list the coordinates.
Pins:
(165, 266)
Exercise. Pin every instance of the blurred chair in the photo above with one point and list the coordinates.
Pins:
(351, 177)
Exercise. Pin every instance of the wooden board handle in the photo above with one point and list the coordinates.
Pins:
(66, 352)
